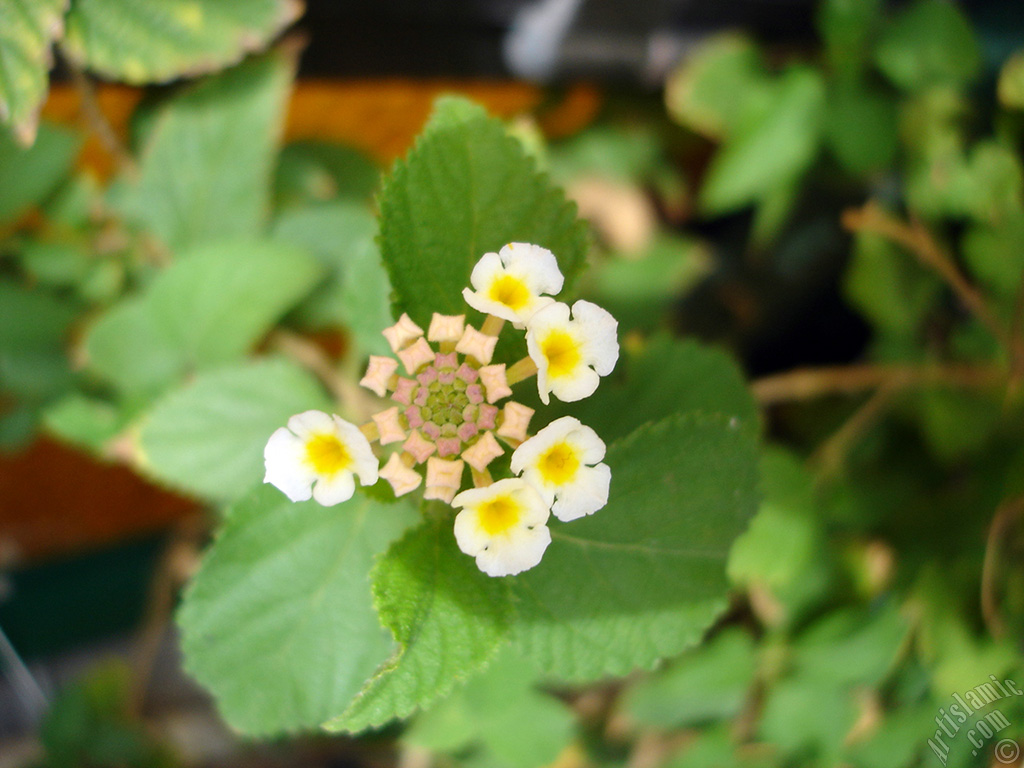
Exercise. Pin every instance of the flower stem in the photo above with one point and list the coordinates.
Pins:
(916, 238)
(807, 383)
(492, 325)
(520, 371)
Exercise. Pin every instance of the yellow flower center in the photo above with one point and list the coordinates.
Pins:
(498, 515)
(510, 291)
(562, 353)
(327, 455)
(558, 466)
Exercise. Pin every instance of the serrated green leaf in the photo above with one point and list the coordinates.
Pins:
(27, 30)
(447, 616)
(642, 578)
(500, 712)
(1011, 82)
(278, 622)
(206, 165)
(450, 110)
(342, 236)
(775, 145)
(707, 683)
(466, 189)
(207, 437)
(718, 85)
(27, 176)
(929, 42)
(666, 378)
(140, 41)
(208, 308)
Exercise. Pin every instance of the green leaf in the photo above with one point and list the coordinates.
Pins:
(931, 42)
(501, 713)
(91, 722)
(83, 421)
(639, 289)
(342, 236)
(313, 171)
(785, 534)
(995, 182)
(642, 578)
(995, 254)
(447, 616)
(207, 163)
(1011, 82)
(861, 129)
(846, 27)
(807, 714)
(718, 85)
(207, 437)
(28, 176)
(852, 647)
(278, 622)
(208, 308)
(466, 189)
(706, 683)
(626, 154)
(33, 330)
(889, 288)
(145, 42)
(775, 145)
(666, 378)
(957, 424)
(27, 29)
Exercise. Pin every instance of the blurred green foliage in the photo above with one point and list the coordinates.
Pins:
(175, 316)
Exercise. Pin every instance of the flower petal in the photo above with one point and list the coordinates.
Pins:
(516, 553)
(600, 334)
(585, 496)
(310, 423)
(537, 266)
(336, 489)
(284, 459)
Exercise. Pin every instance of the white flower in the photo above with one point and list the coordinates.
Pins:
(322, 449)
(561, 461)
(502, 526)
(509, 284)
(571, 355)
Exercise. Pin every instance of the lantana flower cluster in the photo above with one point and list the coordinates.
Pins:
(451, 412)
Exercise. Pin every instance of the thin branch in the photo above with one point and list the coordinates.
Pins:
(1006, 515)
(98, 122)
(808, 383)
(831, 454)
(915, 237)
(177, 564)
